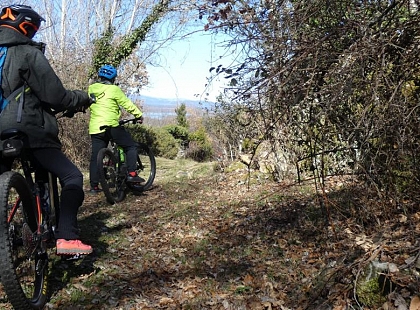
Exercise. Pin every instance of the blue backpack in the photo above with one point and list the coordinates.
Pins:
(17, 96)
(3, 54)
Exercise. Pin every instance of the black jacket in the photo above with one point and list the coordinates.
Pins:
(26, 63)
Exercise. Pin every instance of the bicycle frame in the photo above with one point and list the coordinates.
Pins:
(120, 156)
(34, 185)
(29, 209)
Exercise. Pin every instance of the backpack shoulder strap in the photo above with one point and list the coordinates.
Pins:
(3, 54)
(18, 95)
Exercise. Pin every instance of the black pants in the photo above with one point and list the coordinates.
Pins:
(123, 138)
(71, 181)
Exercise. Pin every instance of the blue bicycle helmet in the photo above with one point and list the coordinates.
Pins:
(108, 72)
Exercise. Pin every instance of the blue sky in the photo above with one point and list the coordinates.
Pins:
(184, 70)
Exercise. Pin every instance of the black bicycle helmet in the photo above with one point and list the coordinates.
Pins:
(22, 18)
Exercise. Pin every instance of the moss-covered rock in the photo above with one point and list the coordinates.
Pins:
(369, 293)
(372, 286)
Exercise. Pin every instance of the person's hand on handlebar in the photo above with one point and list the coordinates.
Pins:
(84, 107)
(138, 120)
(92, 99)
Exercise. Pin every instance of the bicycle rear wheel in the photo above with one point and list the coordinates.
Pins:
(112, 184)
(146, 167)
(23, 265)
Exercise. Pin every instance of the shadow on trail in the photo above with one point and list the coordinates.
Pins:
(282, 240)
(65, 271)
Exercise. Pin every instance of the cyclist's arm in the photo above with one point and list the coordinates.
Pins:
(47, 86)
(127, 104)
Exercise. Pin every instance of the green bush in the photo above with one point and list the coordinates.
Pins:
(199, 147)
(166, 141)
(143, 134)
(166, 144)
(179, 133)
(160, 140)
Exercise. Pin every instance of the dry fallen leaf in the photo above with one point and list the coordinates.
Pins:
(248, 279)
(415, 303)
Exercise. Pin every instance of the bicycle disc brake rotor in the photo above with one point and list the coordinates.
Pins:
(29, 242)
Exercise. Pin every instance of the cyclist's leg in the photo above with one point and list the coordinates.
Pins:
(124, 139)
(99, 141)
(72, 196)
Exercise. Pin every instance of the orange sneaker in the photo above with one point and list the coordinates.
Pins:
(72, 247)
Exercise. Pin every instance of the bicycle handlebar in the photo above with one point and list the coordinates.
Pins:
(132, 120)
(124, 121)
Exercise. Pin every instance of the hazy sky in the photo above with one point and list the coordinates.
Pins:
(186, 71)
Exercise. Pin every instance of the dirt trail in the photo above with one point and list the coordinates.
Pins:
(204, 240)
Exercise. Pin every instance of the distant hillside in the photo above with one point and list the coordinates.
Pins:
(152, 101)
(161, 107)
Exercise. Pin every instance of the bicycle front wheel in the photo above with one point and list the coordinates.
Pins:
(112, 185)
(23, 265)
(146, 167)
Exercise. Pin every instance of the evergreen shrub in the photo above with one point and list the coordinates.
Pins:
(160, 140)
(199, 147)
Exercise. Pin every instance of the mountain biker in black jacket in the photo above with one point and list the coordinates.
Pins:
(44, 96)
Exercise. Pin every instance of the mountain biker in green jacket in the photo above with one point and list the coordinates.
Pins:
(107, 111)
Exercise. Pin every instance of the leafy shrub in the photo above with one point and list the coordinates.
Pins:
(160, 140)
(199, 147)
(166, 144)
(179, 133)
(143, 134)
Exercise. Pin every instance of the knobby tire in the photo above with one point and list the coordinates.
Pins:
(146, 167)
(25, 287)
(112, 184)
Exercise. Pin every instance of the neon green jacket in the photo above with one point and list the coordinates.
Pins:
(106, 110)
